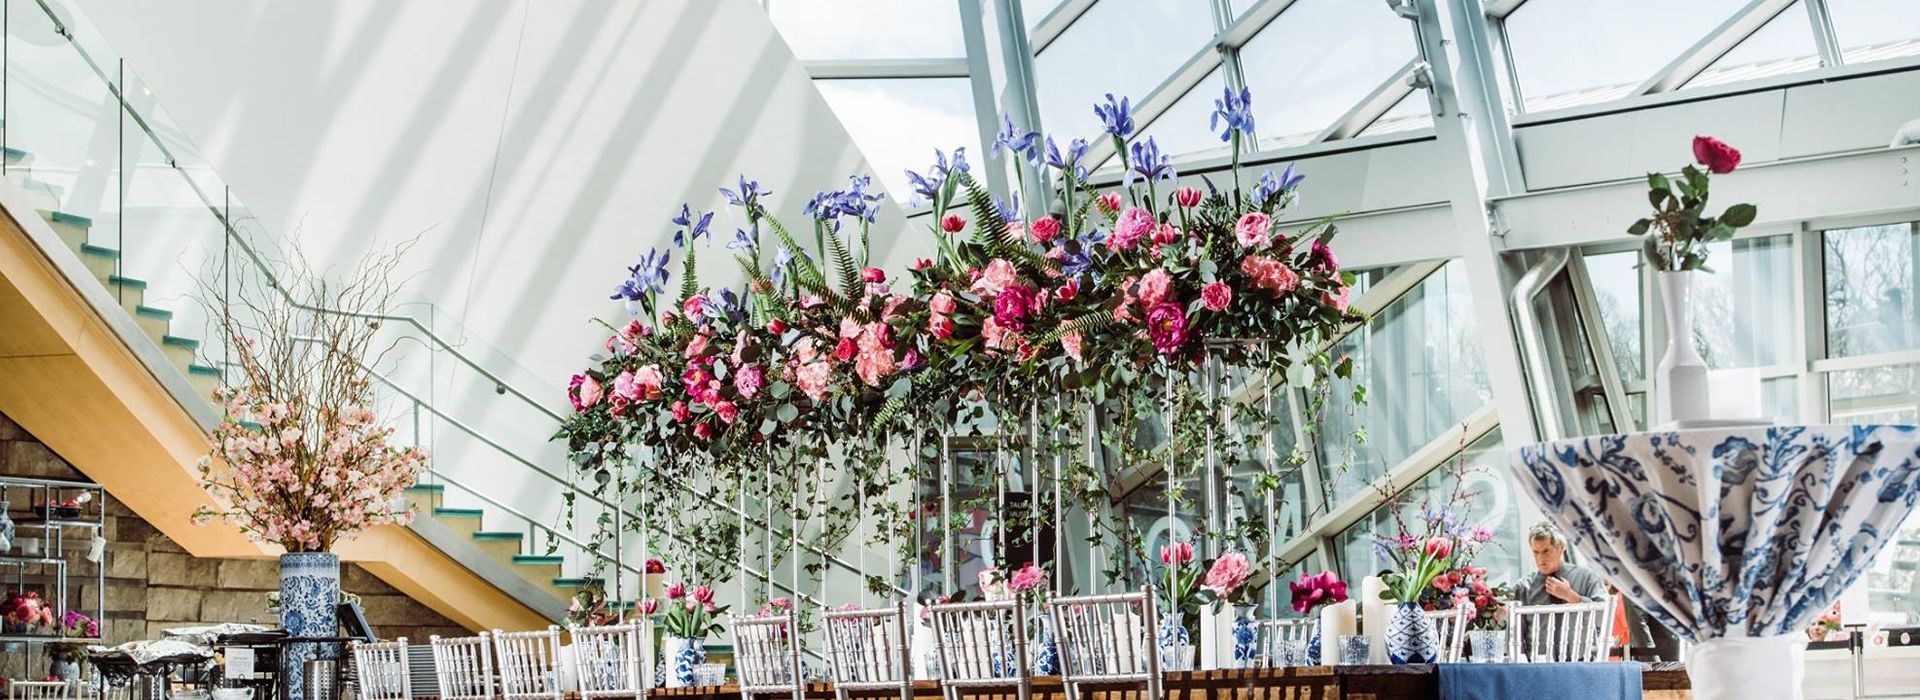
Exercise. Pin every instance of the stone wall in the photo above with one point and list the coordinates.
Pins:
(153, 584)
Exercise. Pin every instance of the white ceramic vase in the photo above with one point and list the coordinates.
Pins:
(1680, 381)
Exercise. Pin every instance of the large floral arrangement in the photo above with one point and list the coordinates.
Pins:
(27, 610)
(1424, 550)
(1098, 291)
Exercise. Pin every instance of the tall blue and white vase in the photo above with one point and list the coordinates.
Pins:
(1046, 657)
(309, 598)
(1176, 645)
(678, 656)
(1246, 640)
(1410, 636)
(1313, 643)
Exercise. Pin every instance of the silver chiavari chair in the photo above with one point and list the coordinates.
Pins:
(383, 670)
(612, 662)
(982, 645)
(529, 664)
(39, 690)
(766, 652)
(1268, 634)
(1560, 633)
(870, 650)
(1451, 627)
(1107, 639)
(464, 667)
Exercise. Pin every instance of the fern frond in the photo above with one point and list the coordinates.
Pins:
(850, 285)
(689, 279)
(992, 235)
(1091, 321)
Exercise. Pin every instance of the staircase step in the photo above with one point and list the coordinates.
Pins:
(128, 282)
(572, 582)
(204, 380)
(155, 322)
(102, 262)
(538, 559)
(181, 355)
(474, 513)
(462, 521)
(204, 371)
(499, 536)
(423, 498)
(187, 343)
(435, 488)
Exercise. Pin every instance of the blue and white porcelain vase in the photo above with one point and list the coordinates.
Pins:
(678, 656)
(309, 597)
(1410, 636)
(7, 528)
(1313, 643)
(1176, 645)
(1046, 657)
(1246, 640)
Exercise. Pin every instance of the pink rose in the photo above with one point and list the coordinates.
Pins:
(726, 410)
(1134, 224)
(1252, 229)
(1337, 300)
(697, 345)
(749, 381)
(1167, 328)
(1187, 197)
(703, 431)
(1154, 287)
(998, 276)
(648, 379)
(1028, 578)
(941, 303)
(1108, 202)
(1045, 229)
(782, 603)
(846, 349)
(1719, 157)
(953, 223)
(1216, 296)
(680, 411)
(1228, 574)
(573, 392)
(939, 326)
(590, 392)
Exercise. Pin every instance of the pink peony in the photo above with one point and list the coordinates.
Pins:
(648, 380)
(1013, 305)
(1044, 230)
(726, 410)
(573, 393)
(1176, 553)
(749, 380)
(1187, 197)
(1154, 287)
(590, 392)
(1029, 577)
(1270, 274)
(624, 386)
(1322, 257)
(1134, 224)
(953, 223)
(680, 411)
(1167, 328)
(998, 276)
(1252, 229)
(1108, 202)
(1719, 157)
(1228, 574)
(1216, 296)
(1071, 343)
(1324, 588)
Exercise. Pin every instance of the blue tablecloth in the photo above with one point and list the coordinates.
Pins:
(1606, 681)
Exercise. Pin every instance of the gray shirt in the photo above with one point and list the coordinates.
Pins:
(1532, 589)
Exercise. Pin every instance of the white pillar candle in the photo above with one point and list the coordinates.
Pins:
(1336, 620)
(1373, 614)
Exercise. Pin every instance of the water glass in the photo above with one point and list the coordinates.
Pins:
(1178, 657)
(1354, 649)
(709, 675)
(1487, 646)
(1290, 652)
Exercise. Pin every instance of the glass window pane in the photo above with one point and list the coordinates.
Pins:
(1032, 11)
(818, 29)
(897, 123)
(1124, 47)
(1784, 45)
(1873, 395)
(1616, 289)
(1742, 311)
(1317, 60)
(1490, 500)
(1870, 273)
(1410, 113)
(1615, 47)
(1419, 360)
(1874, 30)
(1182, 130)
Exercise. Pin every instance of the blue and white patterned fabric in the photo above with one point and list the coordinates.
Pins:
(1737, 535)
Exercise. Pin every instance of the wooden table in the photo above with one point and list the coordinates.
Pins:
(1664, 681)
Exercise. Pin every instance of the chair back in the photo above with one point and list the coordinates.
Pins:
(529, 664)
(613, 662)
(1270, 633)
(463, 666)
(1106, 639)
(1451, 627)
(38, 690)
(870, 650)
(766, 653)
(1575, 632)
(982, 645)
(383, 669)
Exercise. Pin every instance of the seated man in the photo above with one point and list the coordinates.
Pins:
(1553, 580)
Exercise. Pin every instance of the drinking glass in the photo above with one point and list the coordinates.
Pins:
(1178, 657)
(709, 675)
(1290, 652)
(1488, 646)
(1354, 649)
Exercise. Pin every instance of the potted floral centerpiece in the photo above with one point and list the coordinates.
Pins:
(1227, 582)
(25, 612)
(1418, 559)
(1310, 593)
(1184, 600)
(64, 656)
(1677, 247)
(690, 616)
(300, 460)
(1029, 584)
(1467, 587)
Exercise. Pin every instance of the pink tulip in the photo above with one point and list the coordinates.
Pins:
(1187, 197)
(676, 591)
(1439, 548)
(703, 594)
(953, 223)
(1176, 553)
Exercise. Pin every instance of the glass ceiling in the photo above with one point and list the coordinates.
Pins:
(904, 86)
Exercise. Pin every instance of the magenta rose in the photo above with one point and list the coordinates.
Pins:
(1012, 306)
(1719, 157)
(1167, 327)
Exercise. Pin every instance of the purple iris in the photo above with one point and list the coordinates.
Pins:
(1025, 145)
(855, 201)
(1149, 163)
(650, 276)
(1116, 116)
(748, 196)
(1070, 161)
(745, 239)
(1077, 260)
(1236, 111)
(781, 259)
(1009, 209)
(1270, 186)
(928, 185)
(691, 229)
